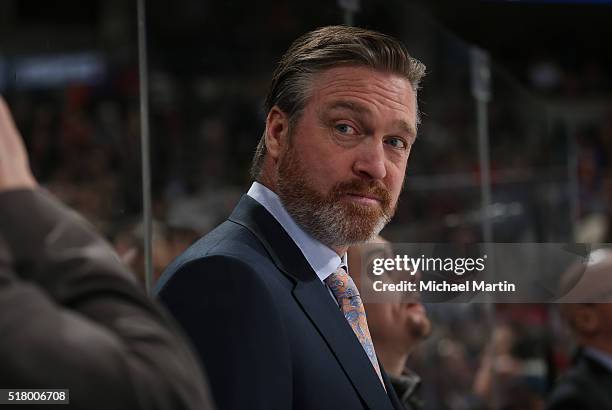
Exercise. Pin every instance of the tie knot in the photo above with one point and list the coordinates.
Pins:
(342, 285)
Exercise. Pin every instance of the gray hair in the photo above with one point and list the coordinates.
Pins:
(325, 48)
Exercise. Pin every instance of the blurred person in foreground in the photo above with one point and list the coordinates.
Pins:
(266, 296)
(71, 315)
(397, 326)
(587, 384)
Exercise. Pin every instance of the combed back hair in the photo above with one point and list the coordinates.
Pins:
(325, 48)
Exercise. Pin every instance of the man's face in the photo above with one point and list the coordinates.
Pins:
(394, 324)
(341, 175)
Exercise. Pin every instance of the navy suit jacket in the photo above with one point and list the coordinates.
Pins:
(266, 328)
(587, 385)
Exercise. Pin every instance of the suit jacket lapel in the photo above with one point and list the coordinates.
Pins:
(315, 299)
(324, 313)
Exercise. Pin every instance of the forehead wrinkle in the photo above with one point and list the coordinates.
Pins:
(354, 76)
(346, 100)
(406, 127)
(369, 97)
(389, 93)
(362, 109)
(343, 104)
(377, 90)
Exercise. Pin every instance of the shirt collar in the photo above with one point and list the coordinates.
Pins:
(407, 381)
(323, 260)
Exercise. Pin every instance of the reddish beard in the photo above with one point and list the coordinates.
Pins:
(330, 217)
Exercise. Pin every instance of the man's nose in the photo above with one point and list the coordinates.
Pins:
(370, 161)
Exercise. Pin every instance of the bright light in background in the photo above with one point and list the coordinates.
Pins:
(48, 71)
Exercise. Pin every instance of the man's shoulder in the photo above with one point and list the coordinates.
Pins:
(567, 392)
(582, 384)
(229, 244)
(229, 239)
(587, 370)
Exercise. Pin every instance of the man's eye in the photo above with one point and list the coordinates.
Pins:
(397, 143)
(345, 129)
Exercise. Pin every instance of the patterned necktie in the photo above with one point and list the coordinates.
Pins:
(347, 295)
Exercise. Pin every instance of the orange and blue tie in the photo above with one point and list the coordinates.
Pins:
(351, 305)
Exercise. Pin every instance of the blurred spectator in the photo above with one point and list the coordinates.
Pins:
(510, 374)
(587, 385)
(397, 327)
(168, 242)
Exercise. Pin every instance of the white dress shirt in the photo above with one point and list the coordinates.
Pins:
(323, 260)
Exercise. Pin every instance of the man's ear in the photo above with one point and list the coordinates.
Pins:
(277, 130)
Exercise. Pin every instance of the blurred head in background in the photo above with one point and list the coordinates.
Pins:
(396, 326)
(591, 324)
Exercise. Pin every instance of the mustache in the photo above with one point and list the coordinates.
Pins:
(370, 188)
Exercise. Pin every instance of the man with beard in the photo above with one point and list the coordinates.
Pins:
(266, 297)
